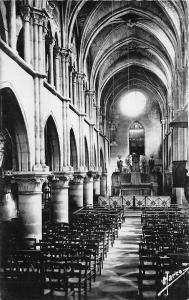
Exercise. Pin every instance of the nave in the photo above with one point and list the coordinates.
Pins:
(105, 253)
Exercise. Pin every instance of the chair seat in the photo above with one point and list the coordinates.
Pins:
(76, 280)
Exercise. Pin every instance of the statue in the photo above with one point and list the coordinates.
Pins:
(151, 164)
(143, 164)
(135, 162)
(120, 164)
(128, 162)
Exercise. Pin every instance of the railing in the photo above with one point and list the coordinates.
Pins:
(135, 201)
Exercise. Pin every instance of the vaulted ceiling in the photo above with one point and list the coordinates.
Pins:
(130, 45)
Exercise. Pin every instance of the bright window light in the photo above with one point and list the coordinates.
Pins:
(132, 104)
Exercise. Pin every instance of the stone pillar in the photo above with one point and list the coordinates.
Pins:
(88, 190)
(91, 131)
(41, 33)
(96, 187)
(36, 41)
(65, 57)
(51, 61)
(57, 68)
(59, 203)
(76, 193)
(74, 88)
(71, 84)
(103, 185)
(27, 45)
(81, 92)
(163, 122)
(30, 203)
(13, 24)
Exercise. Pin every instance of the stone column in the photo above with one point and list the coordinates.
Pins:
(74, 88)
(51, 61)
(163, 122)
(30, 203)
(87, 100)
(96, 187)
(71, 84)
(36, 41)
(57, 68)
(76, 193)
(81, 92)
(13, 24)
(59, 203)
(88, 190)
(65, 73)
(27, 45)
(41, 45)
(103, 185)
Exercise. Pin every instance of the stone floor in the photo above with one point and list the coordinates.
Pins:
(119, 275)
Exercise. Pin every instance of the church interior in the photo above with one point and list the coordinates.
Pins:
(94, 160)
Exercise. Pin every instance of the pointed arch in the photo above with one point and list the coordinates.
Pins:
(52, 145)
(73, 151)
(15, 141)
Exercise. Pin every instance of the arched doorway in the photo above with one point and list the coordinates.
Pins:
(52, 148)
(136, 138)
(73, 151)
(86, 155)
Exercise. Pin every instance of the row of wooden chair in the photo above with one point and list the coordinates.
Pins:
(164, 247)
(69, 256)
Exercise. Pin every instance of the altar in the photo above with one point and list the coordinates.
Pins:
(133, 179)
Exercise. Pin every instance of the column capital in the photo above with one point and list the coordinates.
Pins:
(104, 175)
(81, 76)
(38, 17)
(60, 180)
(65, 52)
(56, 51)
(90, 93)
(163, 121)
(26, 13)
(96, 176)
(29, 182)
(77, 179)
(51, 41)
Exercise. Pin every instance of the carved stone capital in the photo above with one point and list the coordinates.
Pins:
(96, 176)
(38, 17)
(103, 176)
(56, 51)
(60, 181)
(77, 179)
(80, 76)
(26, 13)
(29, 183)
(65, 53)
